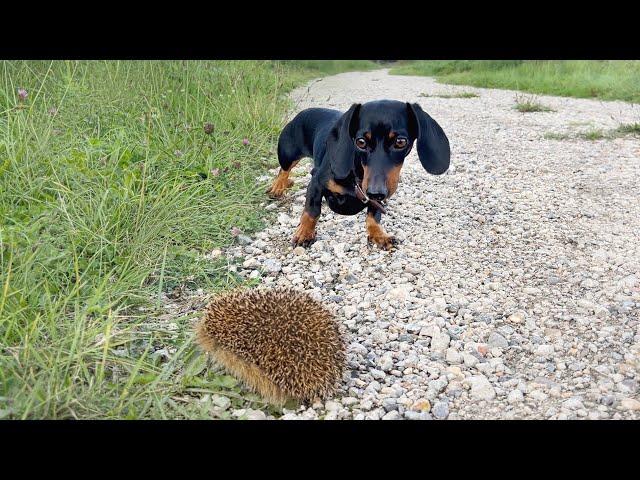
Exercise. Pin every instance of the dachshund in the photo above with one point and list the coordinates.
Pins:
(357, 158)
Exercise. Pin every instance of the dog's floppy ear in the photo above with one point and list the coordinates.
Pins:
(433, 144)
(340, 147)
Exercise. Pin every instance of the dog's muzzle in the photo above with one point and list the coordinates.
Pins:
(365, 199)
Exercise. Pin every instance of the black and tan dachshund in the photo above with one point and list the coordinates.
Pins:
(361, 150)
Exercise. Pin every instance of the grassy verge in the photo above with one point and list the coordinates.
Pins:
(451, 95)
(598, 134)
(606, 80)
(116, 178)
(529, 104)
(328, 67)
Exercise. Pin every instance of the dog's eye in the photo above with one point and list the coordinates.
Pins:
(401, 142)
(361, 143)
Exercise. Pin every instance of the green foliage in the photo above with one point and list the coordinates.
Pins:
(629, 129)
(451, 95)
(597, 133)
(604, 79)
(528, 104)
(329, 67)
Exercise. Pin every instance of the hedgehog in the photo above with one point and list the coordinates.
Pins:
(281, 343)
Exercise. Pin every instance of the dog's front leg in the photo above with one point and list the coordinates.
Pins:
(375, 232)
(306, 232)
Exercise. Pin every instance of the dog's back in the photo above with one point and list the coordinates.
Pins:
(305, 134)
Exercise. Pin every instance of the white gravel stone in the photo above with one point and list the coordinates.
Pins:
(630, 404)
(497, 340)
(440, 410)
(249, 414)
(515, 396)
(411, 415)
(453, 356)
(250, 263)
(392, 415)
(272, 266)
(573, 403)
(544, 350)
(221, 401)
(440, 341)
(256, 415)
(469, 360)
(349, 311)
(400, 292)
(481, 388)
(331, 406)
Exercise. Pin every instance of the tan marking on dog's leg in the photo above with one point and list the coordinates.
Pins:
(306, 231)
(377, 235)
(281, 182)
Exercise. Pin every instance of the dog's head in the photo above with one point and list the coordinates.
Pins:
(373, 139)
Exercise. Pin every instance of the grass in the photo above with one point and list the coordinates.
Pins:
(598, 133)
(629, 129)
(556, 136)
(451, 95)
(606, 80)
(329, 67)
(529, 107)
(594, 134)
(111, 194)
(528, 104)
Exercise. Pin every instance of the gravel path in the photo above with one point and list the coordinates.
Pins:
(514, 292)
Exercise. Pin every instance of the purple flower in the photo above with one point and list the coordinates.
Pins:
(22, 94)
(235, 231)
(208, 128)
(245, 141)
(215, 172)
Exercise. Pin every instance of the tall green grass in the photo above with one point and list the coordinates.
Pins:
(606, 80)
(111, 193)
(329, 67)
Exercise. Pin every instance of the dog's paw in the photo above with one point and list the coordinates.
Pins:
(385, 242)
(278, 188)
(303, 237)
(302, 240)
(302, 243)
